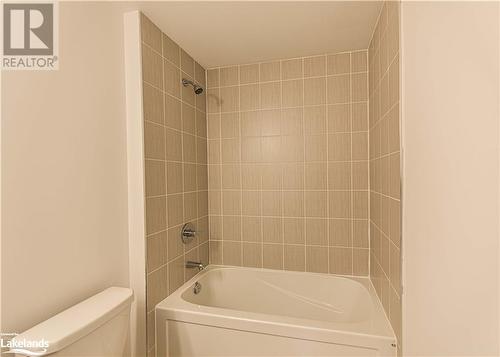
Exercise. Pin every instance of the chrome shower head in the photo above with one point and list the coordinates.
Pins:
(197, 89)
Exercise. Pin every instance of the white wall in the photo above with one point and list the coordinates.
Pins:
(64, 184)
(450, 133)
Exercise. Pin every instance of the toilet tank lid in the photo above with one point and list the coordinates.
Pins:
(74, 323)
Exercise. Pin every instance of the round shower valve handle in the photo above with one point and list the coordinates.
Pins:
(187, 233)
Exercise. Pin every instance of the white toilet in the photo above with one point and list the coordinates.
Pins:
(96, 327)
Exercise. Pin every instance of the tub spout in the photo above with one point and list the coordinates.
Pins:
(191, 265)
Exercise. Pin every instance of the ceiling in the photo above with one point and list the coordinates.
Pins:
(226, 33)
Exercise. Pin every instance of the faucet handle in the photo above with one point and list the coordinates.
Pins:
(188, 232)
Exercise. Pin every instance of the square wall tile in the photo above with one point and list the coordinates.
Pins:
(315, 119)
(359, 87)
(339, 147)
(270, 94)
(175, 274)
(360, 116)
(291, 69)
(316, 176)
(230, 99)
(174, 177)
(360, 262)
(154, 141)
(359, 61)
(294, 230)
(154, 178)
(293, 95)
(189, 148)
(231, 253)
(171, 50)
(250, 97)
(338, 63)
(316, 231)
(340, 204)
(251, 228)
(173, 114)
(156, 249)
(172, 79)
(270, 71)
(153, 104)
(199, 74)
(314, 91)
(151, 34)
(213, 78)
(272, 230)
(175, 209)
(338, 89)
(252, 255)
(152, 67)
(249, 73)
(157, 287)
(272, 256)
(231, 228)
(340, 232)
(339, 175)
(339, 118)
(340, 260)
(271, 203)
(293, 204)
(315, 66)
(317, 260)
(229, 76)
(187, 64)
(294, 257)
(316, 203)
(215, 254)
(156, 214)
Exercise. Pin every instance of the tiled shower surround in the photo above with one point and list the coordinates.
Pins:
(288, 164)
(297, 166)
(385, 205)
(175, 152)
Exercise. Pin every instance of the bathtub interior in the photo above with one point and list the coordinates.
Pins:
(300, 295)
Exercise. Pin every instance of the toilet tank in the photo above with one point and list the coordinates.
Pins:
(97, 326)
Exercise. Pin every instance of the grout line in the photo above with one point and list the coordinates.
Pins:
(289, 244)
(351, 242)
(284, 107)
(281, 188)
(288, 59)
(261, 218)
(328, 188)
(287, 79)
(368, 169)
(221, 204)
(239, 168)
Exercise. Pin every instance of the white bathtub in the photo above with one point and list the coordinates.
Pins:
(259, 312)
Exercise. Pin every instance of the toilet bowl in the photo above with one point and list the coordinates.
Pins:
(95, 327)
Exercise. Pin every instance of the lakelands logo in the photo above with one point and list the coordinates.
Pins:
(10, 344)
(30, 40)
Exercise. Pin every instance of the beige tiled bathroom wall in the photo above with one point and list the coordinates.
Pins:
(288, 164)
(175, 153)
(385, 204)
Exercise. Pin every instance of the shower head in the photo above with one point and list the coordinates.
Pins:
(197, 89)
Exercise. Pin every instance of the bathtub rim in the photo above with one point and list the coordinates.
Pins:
(174, 307)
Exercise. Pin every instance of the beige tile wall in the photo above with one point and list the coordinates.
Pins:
(288, 164)
(385, 236)
(175, 150)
